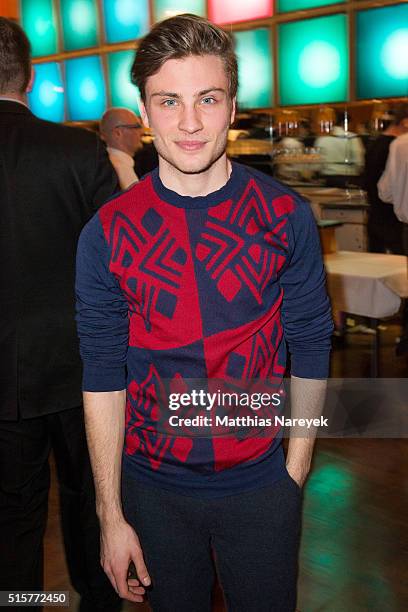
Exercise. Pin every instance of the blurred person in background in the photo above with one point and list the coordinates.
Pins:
(363, 131)
(342, 153)
(121, 130)
(393, 188)
(52, 180)
(146, 159)
(393, 184)
(294, 144)
(384, 228)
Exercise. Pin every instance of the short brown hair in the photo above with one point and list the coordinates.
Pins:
(15, 60)
(179, 37)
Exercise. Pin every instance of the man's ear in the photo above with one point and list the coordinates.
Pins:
(233, 110)
(143, 112)
(31, 81)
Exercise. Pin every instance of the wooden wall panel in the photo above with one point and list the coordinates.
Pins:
(9, 8)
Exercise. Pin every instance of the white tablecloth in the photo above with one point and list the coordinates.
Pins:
(367, 284)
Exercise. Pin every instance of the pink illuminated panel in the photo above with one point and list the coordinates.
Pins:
(230, 11)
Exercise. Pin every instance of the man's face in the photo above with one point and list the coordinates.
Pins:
(129, 133)
(189, 109)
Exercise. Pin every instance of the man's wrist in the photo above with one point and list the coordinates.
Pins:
(298, 472)
(299, 459)
(110, 516)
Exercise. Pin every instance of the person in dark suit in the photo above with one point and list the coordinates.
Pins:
(52, 180)
(385, 230)
(146, 159)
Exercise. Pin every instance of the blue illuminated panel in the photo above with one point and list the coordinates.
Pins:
(163, 9)
(313, 60)
(382, 52)
(38, 21)
(46, 100)
(123, 92)
(254, 53)
(284, 6)
(125, 19)
(86, 93)
(79, 23)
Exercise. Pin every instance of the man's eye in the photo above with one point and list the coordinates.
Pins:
(208, 100)
(169, 103)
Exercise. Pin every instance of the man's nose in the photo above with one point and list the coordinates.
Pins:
(190, 120)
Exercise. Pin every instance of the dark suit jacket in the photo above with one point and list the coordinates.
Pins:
(52, 180)
(146, 160)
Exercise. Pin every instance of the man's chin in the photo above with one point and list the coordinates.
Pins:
(190, 170)
(194, 166)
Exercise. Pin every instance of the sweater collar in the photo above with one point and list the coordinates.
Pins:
(226, 192)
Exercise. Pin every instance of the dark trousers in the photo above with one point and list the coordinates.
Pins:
(254, 538)
(24, 483)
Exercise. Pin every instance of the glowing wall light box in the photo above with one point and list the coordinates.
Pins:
(125, 19)
(253, 48)
(284, 6)
(79, 24)
(230, 11)
(313, 61)
(123, 92)
(86, 94)
(168, 8)
(382, 52)
(46, 99)
(39, 23)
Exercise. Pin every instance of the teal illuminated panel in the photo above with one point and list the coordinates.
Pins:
(382, 52)
(123, 92)
(86, 93)
(125, 19)
(254, 53)
(168, 8)
(313, 61)
(284, 6)
(39, 23)
(79, 24)
(46, 100)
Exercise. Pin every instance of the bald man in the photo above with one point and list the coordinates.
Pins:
(121, 129)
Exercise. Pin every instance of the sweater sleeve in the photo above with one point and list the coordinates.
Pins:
(102, 314)
(306, 312)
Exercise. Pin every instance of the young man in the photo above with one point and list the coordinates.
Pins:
(204, 269)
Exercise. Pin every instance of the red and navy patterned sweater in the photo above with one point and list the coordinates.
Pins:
(177, 287)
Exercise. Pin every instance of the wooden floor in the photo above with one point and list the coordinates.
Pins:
(354, 550)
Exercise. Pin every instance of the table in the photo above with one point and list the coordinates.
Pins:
(367, 284)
